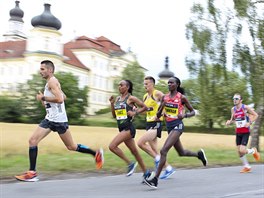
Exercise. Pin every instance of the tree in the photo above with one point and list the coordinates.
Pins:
(210, 30)
(249, 55)
(207, 32)
(32, 109)
(215, 108)
(162, 86)
(76, 102)
(10, 109)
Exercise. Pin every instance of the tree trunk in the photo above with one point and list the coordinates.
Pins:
(255, 133)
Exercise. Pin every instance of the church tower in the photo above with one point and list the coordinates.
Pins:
(16, 24)
(45, 37)
(166, 73)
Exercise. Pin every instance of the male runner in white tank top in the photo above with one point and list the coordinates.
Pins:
(55, 120)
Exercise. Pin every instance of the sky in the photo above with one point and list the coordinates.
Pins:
(152, 29)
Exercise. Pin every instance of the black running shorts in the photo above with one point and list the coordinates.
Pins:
(128, 126)
(60, 127)
(154, 125)
(176, 125)
(242, 139)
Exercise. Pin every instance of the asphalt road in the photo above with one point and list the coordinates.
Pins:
(224, 182)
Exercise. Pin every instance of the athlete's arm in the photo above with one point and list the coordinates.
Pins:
(55, 89)
(64, 96)
(160, 109)
(252, 114)
(134, 100)
(228, 122)
(158, 95)
(39, 98)
(189, 107)
(112, 101)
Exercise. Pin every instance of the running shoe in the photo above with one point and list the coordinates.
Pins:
(148, 175)
(99, 158)
(145, 176)
(29, 176)
(167, 174)
(153, 183)
(245, 170)
(256, 154)
(131, 168)
(202, 157)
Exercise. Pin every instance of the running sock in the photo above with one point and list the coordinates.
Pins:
(157, 158)
(84, 149)
(169, 168)
(33, 153)
(244, 161)
(250, 151)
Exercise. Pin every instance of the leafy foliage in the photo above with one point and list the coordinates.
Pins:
(135, 74)
(216, 101)
(162, 86)
(10, 109)
(210, 29)
(76, 102)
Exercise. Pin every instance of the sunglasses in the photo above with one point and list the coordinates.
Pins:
(236, 98)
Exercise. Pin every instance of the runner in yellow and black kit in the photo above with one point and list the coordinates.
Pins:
(173, 103)
(122, 110)
(148, 142)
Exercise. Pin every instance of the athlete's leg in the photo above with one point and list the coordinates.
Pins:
(154, 146)
(149, 137)
(172, 138)
(183, 152)
(130, 143)
(38, 135)
(69, 143)
(118, 139)
(35, 138)
(242, 150)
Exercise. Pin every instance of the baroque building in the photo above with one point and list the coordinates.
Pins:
(97, 62)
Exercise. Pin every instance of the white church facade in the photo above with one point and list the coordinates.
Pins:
(97, 62)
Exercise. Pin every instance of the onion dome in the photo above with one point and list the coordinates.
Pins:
(166, 73)
(46, 19)
(16, 14)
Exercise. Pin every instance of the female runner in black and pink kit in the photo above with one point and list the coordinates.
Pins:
(173, 103)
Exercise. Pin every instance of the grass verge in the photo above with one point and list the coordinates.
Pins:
(54, 159)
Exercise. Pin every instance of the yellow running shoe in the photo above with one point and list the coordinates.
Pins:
(256, 154)
(99, 159)
(29, 176)
(245, 170)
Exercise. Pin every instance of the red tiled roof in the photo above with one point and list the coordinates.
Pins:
(16, 49)
(12, 49)
(101, 43)
(72, 59)
(110, 45)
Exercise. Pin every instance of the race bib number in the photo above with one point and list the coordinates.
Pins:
(240, 123)
(121, 112)
(150, 114)
(171, 110)
(48, 108)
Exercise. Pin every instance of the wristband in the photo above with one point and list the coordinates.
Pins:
(43, 98)
(186, 115)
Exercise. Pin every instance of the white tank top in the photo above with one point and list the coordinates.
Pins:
(55, 111)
